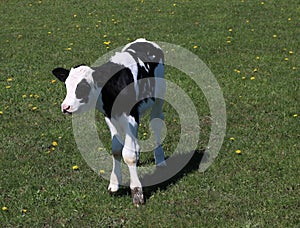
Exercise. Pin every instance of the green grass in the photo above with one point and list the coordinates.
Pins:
(259, 188)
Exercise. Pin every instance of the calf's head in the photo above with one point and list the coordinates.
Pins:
(81, 91)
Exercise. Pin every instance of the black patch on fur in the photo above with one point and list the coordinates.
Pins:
(82, 91)
(113, 78)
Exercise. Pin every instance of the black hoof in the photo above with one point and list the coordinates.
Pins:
(137, 196)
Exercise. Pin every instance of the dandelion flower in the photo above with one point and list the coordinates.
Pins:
(106, 42)
(9, 79)
(24, 211)
(68, 49)
(231, 138)
(101, 171)
(75, 167)
(4, 208)
(230, 30)
(295, 115)
(145, 134)
(252, 78)
(53, 81)
(257, 57)
(274, 36)
(255, 70)
(243, 77)
(238, 151)
(286, 59)
(24, 96)
(195, 47)
(291, 52)
(7, 87)
(289, 19)
(34, 108)
(54, 143)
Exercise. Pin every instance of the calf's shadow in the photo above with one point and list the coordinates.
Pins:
(191, 161)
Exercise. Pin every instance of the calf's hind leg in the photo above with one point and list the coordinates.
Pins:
(156, 119)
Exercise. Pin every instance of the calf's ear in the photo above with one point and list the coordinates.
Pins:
(61, 73)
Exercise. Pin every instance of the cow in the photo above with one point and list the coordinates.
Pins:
(135, 78)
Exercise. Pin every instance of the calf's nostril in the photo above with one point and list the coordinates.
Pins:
(66, 108)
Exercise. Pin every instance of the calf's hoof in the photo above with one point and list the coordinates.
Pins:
(137, 196)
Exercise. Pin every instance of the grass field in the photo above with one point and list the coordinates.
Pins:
(252, 47)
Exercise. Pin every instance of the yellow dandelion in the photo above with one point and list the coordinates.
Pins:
(9, 80)
(231, 138)
(54, 143)
(31, 95)
(75, 167)
(24, 96)
(286, 59)
(7, 87)
(75, 15)
(1, 112)
(68, 49)
(106, 42)
(49, 33)
(243, 77)
(228, 41)
(34, 108)
(145, 134)
(237, 71)
(289, 19)
(238, 151)
(24, 211)
(101, 171)
(195, 47)
(295, 115)
(101, 149)
(274, 36)
(36, 96)
(252, 78)
(105, 36)
(257, 57)
(262, 3)
(294, 68)
(255, 70)
(291, 52)
(230, 30)
(53, 81)
(4, 208)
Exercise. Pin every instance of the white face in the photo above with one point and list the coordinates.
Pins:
(80, 90)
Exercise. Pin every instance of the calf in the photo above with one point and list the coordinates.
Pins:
(133, 77)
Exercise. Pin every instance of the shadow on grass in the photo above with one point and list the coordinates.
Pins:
(194, 158)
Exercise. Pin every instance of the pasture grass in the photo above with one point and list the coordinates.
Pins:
(252, 47)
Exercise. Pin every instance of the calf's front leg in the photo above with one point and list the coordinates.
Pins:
(130, 155)
(117, 146)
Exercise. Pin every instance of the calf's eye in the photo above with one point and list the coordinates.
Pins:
(83, 90)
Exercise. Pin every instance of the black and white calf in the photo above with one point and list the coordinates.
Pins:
(123, 88)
